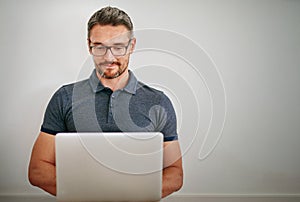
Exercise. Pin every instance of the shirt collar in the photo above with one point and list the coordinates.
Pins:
(97, 86)
(95, 83)
(132, 83)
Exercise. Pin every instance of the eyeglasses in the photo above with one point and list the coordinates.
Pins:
(117, 50)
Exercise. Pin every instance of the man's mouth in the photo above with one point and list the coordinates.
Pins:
(109, 65)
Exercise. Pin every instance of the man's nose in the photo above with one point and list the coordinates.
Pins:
(108, 55)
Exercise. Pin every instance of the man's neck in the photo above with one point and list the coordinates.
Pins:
(116, 83)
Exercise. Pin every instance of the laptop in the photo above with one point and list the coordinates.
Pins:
(109, 166)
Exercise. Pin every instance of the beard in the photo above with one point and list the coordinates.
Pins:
(110, 73)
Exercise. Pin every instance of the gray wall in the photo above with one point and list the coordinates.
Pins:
(234, 61)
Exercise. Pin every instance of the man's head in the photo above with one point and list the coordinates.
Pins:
(110, 16)
(110, 41)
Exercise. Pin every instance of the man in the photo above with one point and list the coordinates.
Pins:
(110, 100)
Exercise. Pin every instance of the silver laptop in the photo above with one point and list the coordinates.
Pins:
(109, 166)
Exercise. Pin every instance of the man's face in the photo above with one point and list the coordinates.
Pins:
(110, 66)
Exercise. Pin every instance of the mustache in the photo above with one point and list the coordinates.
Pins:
(110, 63)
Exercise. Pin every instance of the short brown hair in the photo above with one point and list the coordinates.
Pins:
(110, 16)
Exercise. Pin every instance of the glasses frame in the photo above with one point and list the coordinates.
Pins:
(109, 48)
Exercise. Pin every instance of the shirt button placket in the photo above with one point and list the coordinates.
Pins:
(111, 108)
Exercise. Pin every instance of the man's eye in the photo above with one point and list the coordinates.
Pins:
(100, 47)
(118, 48)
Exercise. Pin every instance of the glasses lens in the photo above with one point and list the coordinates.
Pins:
(117, 51)
(99, 50)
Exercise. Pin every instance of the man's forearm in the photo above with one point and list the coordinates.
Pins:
(44, 177)
(172, 180)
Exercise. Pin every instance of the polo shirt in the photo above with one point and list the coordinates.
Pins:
(88, 106)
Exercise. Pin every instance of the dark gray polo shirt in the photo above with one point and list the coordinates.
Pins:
(88, 106)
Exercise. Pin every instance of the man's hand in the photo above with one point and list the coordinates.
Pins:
(172, 172)
(41, 171)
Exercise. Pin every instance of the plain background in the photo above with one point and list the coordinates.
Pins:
(254, 44)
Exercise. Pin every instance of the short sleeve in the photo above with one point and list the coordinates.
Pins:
(169, 128)
(53, 122)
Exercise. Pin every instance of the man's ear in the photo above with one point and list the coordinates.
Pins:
(89, 47)
(132, 46)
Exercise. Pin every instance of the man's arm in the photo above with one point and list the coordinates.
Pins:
(172, 173)
(41, 171)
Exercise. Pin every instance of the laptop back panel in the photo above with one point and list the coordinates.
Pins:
(109, 166)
